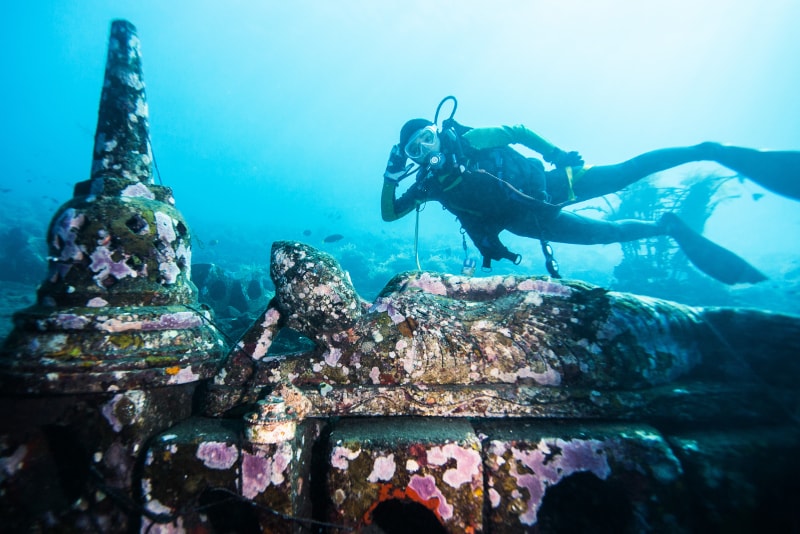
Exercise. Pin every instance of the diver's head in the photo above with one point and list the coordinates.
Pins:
(418, 138)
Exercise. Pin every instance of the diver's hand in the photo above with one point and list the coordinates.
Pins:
(562, 159)
(396, 168)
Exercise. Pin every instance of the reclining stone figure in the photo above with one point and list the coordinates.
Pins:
(440, 344)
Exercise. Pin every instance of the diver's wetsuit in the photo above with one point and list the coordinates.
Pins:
(490, 187)
(499, 189)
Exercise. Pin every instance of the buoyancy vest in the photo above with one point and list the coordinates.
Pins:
(491, 183)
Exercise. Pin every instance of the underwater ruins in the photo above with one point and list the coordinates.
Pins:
(450, 404)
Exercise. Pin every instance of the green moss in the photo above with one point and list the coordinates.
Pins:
(160, 361)
(70, 352)
(124, 341)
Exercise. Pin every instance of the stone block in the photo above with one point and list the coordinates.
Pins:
(417, 474)
(576, 477)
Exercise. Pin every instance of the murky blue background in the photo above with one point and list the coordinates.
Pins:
(274, 120)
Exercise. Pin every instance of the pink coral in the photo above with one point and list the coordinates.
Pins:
(341, 456)
(255, 474)
(552, 461)
(105, 266)
(65, 232)
(177, 320)
(264, 341)
(382, 469)
(468, 463)
(281, 460)
(385, 304)
(217, 455)
(164, 227)
(545, 288)
(426, 488)
(137, 190)
(375, 375)
(332, 356)
(429, 284)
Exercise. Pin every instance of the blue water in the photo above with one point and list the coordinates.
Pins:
(274, 120)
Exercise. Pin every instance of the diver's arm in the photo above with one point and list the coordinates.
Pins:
(498, 136)
(396, 170)
(393, 208)
(508, 135)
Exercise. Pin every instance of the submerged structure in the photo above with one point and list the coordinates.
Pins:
(116, 343)
(449, 404)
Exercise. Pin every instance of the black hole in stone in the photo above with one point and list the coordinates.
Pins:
(397, 516)
(227, 514)
(236, 296)
(584, 503)
(217, 290)
(290, 341)
(200, 272)
(71, 459)
(254, 289)
(136, 224)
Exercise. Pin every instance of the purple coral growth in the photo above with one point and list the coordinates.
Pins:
(258, 472)
(65, 231)
(138, 190)
(386, 304)
(71, 321)
(545, 288)
(429, 284)
(176, 321)
(164, 227)
(217, 455)
(552, 461)
(382, 469)
(468, 463)
(426, 488)
(255, 475)
(105, 266)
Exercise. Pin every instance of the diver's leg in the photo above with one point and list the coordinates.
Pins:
(602, 180)
(776, 170)
(569, 227)
(712, 259)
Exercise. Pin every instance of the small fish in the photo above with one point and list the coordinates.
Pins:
(333, 238)
(213, 243)
(5, 190)
(757, 196)
(306, 233)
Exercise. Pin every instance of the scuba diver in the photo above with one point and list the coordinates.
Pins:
(491, 187)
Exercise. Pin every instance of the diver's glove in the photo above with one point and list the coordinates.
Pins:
(396, 168)
(562, 159)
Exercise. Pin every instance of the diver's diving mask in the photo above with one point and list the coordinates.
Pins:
(422, 143)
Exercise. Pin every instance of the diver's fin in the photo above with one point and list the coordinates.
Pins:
(776, 170)
(714, 260)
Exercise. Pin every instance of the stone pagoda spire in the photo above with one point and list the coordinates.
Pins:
(118, 305)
